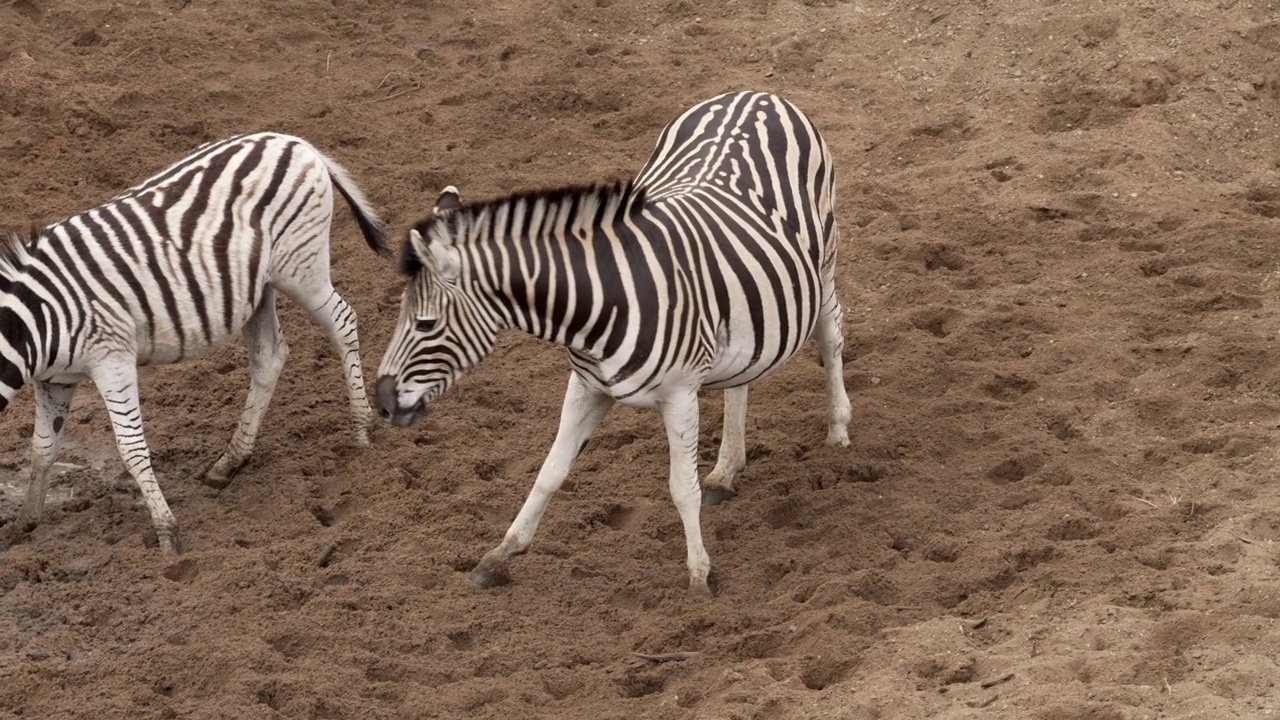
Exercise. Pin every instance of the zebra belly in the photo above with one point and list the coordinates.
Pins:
(736, 371)
(742, 358)
(200, 318)
(62, 377)
(161, 346)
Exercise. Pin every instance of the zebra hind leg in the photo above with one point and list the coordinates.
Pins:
(267, 354)
(338, 319)
(718, 485)
(830, 339)
(584, 408)
(53, 403)
(117, 381)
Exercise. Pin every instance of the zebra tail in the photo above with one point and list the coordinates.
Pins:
(375, 233)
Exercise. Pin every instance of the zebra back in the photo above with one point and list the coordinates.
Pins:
(371, 226)
(175, 264)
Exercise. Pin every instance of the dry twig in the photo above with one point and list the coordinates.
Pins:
(996, 681)
(983, 703)
(665, 657)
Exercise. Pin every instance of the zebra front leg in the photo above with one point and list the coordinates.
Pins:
(830, 338)
(53, 403)
(718, 485)
(339, 322)
(584, 408)
(117, 381)
(267, 354)
(680, 415)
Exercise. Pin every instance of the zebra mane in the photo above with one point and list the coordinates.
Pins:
(15, 252)
(589, 206)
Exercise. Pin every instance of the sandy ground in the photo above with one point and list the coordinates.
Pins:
(1060, 274)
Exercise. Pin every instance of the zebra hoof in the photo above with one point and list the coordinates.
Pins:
(703, 587)
(221, 473)
(488, 575)
(13, 534)
(716, 495)
(169, 543)
(25, 522)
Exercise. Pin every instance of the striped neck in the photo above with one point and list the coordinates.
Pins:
(525, 253)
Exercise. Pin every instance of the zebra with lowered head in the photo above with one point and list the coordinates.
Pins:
(164, 272)
(708, 271)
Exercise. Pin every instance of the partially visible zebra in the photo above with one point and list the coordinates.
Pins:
(708, 271)
(166, 271)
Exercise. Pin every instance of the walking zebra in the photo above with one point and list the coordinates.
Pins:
(708, 271)
(166, 271)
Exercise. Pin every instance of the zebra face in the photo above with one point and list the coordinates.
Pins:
(442, 331)
(403, 394)
(422, 360)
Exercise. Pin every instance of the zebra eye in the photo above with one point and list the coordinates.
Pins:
(425, 323)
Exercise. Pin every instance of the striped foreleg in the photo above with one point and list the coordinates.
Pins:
(584, 408)
(117, 380)
(53, 403)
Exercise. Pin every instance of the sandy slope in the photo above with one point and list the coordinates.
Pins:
(1059, 265)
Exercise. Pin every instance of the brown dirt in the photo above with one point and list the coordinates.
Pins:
(1060, 268)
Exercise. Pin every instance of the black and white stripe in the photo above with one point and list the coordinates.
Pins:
(166, 271)
(708, 271)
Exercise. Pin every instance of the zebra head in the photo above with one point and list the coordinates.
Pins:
(442, 331)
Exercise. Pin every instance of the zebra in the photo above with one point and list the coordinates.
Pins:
(164, 272)
(708, 270)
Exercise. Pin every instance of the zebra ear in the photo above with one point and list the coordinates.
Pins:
(445, 259)
(440, 258)
(412, 253)
(449, 200)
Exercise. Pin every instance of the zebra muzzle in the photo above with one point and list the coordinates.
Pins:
(389, 403)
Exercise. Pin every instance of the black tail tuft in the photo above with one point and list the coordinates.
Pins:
(374, 232)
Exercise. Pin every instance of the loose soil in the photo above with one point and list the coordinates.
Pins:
(1060, 274)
